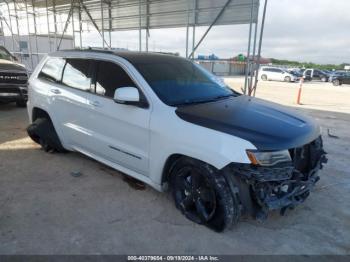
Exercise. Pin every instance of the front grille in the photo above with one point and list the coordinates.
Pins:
(13, 78)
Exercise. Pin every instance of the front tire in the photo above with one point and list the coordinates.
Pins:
(202, 194)
(264, 77)
(42, 132)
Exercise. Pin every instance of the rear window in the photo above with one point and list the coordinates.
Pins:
(52, 70)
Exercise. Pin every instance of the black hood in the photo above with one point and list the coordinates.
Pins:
(6, 65)
(268, 126)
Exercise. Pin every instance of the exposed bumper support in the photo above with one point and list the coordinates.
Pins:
(262, 189)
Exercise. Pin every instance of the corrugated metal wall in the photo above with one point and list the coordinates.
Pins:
(224, 68)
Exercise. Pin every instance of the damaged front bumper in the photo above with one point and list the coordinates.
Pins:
(261, 189)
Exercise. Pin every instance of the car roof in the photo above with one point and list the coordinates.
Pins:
(131, 56)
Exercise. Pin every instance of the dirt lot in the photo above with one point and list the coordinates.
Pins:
(45, 210)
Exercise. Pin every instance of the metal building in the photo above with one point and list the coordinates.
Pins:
(56, 20)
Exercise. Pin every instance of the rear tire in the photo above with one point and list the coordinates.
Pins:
(336, 82)
(42, 132)
(264, 77)
(21, 103)
(202, 194)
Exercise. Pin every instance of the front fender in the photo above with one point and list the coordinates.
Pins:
(180, 137)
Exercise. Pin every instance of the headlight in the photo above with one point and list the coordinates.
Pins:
(268, 158)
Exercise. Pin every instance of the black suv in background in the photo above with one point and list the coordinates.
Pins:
(341, 79)
(13, 79)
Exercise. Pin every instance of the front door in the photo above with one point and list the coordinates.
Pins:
(346, 79)
(308, 74)
(120, 132)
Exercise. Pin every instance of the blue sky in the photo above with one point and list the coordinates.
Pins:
(303, 30)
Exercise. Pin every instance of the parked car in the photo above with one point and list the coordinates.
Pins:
(315, 74)
(168, 122)
(334, 74)
(341, 79)
(277, 74)
(13, 79)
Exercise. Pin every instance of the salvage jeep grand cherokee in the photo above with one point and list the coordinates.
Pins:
(169, 123)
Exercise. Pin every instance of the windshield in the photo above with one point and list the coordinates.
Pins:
(178, 81)
(4, 54)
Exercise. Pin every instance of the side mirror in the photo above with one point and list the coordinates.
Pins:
(127, 95)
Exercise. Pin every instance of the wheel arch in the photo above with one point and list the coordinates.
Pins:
(169, 164)
(39, 113)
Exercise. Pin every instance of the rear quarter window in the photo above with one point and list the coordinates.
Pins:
(77, 74)
(52, 70)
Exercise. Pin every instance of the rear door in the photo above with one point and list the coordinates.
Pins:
(120, 132)
(69, 101)
(275, 75)
(269, 73)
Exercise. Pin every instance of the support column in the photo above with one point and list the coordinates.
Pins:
(147, 24)
(260, 44)
(48, 25)
(248, 52)
(54, 21)
(35, 32)
(250, 87)
(110, 23)
(102, 25)
(80, 27)
(73, 26)
(140, 35)
(187, 27)
(17, 26)
(194, 27)
(29, 40)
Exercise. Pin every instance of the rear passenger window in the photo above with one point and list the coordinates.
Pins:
(52, 70)
(77, 74)
(110, 76)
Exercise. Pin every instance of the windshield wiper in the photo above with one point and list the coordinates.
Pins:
(191, 102)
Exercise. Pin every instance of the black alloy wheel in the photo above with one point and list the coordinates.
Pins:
(196, 199)
(203, 195)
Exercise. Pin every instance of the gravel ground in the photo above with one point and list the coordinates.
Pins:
(45, 210)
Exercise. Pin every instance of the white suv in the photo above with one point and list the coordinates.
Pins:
(169, 123)
(277, 74)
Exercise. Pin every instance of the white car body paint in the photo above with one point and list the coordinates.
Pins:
(136, 141)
